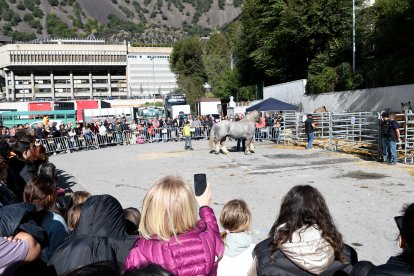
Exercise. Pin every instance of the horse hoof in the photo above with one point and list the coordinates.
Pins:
(216, 153)
(247, 153)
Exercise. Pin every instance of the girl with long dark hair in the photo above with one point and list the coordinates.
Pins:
(304, 239)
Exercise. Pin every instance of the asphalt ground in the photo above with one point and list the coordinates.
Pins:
(363, 195)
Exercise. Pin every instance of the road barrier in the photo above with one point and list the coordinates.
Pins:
(351, 132)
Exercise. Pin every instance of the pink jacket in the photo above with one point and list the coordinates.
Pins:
(197, 252)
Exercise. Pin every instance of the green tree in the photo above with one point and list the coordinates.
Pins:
(91, 26)
(283, 38)
(53, 2)
(37, 12)
(186, 58)
(393, 42)
(28, 17)
(57, 28)
(20, 6)
(186, 62)
(193, 87)
(29, 4)
(216, 59)
(227, 85)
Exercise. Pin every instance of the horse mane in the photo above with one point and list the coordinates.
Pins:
(251, 116)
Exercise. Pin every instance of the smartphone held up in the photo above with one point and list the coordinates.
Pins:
(200, 183)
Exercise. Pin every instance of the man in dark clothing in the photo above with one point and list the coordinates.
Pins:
(279, 125)
(241, 141)
(310, 132)
(385, 124)
(269, 121)
(393, 139)
(39, 131)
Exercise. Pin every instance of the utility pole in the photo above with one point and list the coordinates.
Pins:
(353, 36)
(153, 78)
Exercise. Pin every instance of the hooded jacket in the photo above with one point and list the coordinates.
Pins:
(20, 217)
(237, 255)
(196, 252)
(18, 173)
(100, 236)
(307, 253)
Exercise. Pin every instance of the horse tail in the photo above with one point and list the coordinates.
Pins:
(212, 137)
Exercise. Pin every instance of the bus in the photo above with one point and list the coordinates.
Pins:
(171, 99)
(14, 118)
(100, 114)
(148, 112)
(1, 114)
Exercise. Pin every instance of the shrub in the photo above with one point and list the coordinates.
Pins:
(28, 17)
(20, 6)
(37, 12)
(53, 2)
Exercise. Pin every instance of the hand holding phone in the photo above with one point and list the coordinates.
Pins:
(200, 183)
(202, 190)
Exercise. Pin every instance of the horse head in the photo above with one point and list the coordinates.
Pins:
(252, 116)
(321, 109)
(406, 107)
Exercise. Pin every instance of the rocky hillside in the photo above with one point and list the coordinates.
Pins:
(157, 22)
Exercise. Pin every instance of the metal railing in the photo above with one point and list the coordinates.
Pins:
(352, 131)
(408, 138)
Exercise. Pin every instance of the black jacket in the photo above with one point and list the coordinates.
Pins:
(20, 217)
(282, 266)
(395, 266)
(18, 173)
(100, 236)
(39, 133)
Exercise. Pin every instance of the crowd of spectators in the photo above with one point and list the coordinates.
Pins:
(58, 137)
(49, 230)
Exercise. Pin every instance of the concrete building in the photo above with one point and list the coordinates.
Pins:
(149, 72)
(83, 69)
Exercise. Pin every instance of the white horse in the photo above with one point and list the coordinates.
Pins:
(406, 107)
(244, 128)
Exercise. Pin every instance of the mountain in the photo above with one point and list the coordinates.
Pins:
(154, 22)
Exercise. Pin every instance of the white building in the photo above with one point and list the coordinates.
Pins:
(79, 69)
(149, 72)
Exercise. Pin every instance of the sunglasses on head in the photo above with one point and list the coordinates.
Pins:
(398, 221)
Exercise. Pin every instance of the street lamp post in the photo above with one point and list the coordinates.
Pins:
(353, 36)
(153, 78)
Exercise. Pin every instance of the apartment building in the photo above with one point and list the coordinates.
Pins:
(82, 69)
(149, 72)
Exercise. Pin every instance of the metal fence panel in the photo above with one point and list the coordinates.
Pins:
(357, 131)
(408, 138)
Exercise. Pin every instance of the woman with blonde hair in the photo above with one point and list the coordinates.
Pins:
(171, 236)
(73, 216)
(79, 197)
(235, 218)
